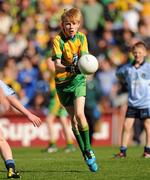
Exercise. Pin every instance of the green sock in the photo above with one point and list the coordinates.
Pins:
(79, 139)
(85, 137)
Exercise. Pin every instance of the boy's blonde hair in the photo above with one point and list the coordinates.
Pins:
(139, 44)
(72, 14)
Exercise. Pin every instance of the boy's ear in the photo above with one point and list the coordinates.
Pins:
(62, 26)
(79, 23)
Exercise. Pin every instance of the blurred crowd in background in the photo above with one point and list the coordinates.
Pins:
(27, 28)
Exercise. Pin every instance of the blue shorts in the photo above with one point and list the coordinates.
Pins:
(138, 113)
(6, 89)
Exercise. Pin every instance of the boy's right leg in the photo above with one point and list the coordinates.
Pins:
(67, 132)
(52, 143)
(79, 139)
(127, 126)
(147, 146)
(7, 156)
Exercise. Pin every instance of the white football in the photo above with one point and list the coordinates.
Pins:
(88, 64)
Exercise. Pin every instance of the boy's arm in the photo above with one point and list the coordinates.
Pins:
(36, 121)
(59, 66)
(50, 64)
(57, 55)
(4, 104)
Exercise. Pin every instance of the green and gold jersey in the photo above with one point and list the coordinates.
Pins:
(65, 49)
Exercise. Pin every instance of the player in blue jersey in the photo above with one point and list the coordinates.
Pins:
(136, 75)
(8, 100)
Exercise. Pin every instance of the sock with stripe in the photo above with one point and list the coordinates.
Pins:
(147, 149)
(85, 137)
(79, 139)
(10, 164)
(123, 149)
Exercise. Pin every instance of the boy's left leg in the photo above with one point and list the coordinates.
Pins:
(126, 132)
(82, 122)
(52, 147)
(8, 159)
(147, 146)
(88, 154)
(84, 132)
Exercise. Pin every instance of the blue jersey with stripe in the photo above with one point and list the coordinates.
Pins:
(138, 84)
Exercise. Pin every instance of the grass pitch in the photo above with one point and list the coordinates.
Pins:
(35, 164)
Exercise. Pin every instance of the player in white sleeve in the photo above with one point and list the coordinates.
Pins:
(8, 100)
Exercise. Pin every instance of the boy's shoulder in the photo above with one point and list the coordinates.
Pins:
(124, 66)
(147, 62)
(146, 66)
(80, 34)
(58, 36)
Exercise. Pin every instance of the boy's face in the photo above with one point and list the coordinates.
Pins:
(139, 53)
(70, 28)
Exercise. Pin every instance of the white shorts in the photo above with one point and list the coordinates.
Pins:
(6, 89)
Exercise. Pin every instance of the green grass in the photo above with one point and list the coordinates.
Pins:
(34, 164)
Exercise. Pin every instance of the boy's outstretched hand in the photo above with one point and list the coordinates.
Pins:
(35, 120)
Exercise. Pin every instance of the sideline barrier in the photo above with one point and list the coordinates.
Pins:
(19, 132)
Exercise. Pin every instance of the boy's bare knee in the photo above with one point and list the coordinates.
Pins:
(147, 124)
(127, 126)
